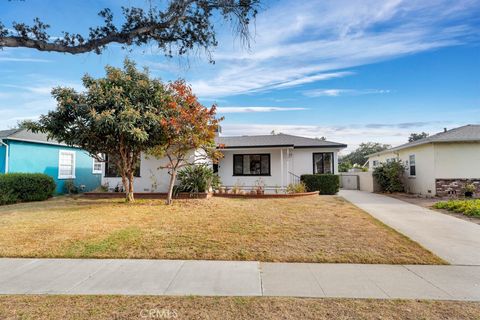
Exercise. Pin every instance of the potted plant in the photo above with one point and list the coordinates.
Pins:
(260, 186)
(469, 190)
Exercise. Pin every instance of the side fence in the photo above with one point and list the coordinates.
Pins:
(358, 181)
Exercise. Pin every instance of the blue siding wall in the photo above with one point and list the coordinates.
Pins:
(2, 158)
(43, 158)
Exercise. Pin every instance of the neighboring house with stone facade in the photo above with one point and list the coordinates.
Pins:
(440, 164)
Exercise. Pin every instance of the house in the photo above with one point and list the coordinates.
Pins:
(272, 160)
(28, 152)
(440, 164)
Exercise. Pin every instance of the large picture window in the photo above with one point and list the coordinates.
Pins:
(251, 164)
(111, 170)
(323, 162)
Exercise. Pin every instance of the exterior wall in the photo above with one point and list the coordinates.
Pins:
(455, 187)
(439, 161)
(457, 160)
(2, 158)
(424, 181)
(295, 161)
(43, 158)
(152, 179)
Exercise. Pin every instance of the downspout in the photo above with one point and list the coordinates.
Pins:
(6, 154)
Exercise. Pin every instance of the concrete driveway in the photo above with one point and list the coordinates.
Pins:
(454, 240)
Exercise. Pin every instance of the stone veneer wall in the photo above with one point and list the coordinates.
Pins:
(454, 187)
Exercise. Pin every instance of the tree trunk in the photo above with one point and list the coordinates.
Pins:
(130, 191)
(173, 176)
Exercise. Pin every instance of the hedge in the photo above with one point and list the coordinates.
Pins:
(21, 187)
(324, 183)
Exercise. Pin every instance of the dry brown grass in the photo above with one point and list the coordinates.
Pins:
(309, 229)
(139, 307)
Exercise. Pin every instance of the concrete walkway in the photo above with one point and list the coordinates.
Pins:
(455, 240)
(241, 278)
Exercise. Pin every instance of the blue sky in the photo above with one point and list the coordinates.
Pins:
(352, 71)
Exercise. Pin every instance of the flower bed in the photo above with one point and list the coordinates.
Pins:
(265, 195)
(146, 195)
(467, 207)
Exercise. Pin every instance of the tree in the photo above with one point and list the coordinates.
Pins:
(359, 155)
(181, 25)
(189, 133)
(119, 115)
(417, 136)
(389, 176)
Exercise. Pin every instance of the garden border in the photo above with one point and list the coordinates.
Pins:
(265, 196)
(147, 195)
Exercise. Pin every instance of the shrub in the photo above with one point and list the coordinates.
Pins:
(389, 176)
(467, 207)
(197, 178)
(324, 183)
(18, 187)
(296, 188)
(69, 187)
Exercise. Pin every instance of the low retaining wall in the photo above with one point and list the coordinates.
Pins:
(265, 195)
(454, 187)
(146, 195)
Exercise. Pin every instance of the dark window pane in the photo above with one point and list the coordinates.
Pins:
(251, 164)
(327, 163)
(412, 170)
(237, 164)
(112, 171)
(265, 165)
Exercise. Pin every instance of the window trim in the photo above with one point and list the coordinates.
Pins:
(410, 165)
(253, 154)
(313, 162)
(94, 171)
(73, 153)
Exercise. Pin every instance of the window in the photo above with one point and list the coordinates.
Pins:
(111, 168)
(251, 164)
(97, 167)
(66, 164)
(375, 163)
(323, 162)
(413, 171)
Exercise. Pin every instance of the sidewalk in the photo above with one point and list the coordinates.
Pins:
(241, 278)
(455, 240)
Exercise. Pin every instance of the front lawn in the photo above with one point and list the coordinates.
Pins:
(149, 307)
(467, 207)
(308, 229)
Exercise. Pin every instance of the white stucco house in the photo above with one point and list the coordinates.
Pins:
(440, 164)
(273, 160)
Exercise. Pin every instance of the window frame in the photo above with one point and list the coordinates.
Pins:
(73, 153)
(253, 154)
(410, 166)
(95, 171)
(313, 162)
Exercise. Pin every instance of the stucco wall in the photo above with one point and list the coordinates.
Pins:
(2, 158)
(296, 161)
(43, 158)
(457, 160)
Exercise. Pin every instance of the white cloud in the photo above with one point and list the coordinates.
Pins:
(309, 41)
(255, 109)
(340, 92)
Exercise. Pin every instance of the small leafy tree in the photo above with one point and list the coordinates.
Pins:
(389, 176)
(120, 115)
(189, 131)
(360, 155)
(417, 136)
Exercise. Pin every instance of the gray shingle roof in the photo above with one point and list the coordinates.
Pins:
(468, 133)
(26, 135)
(277, 140)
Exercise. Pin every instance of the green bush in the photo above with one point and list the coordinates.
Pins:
(296, 188)
(324, 183)
(20, 187)
(389, 176)
(467, 207)
(197, 178)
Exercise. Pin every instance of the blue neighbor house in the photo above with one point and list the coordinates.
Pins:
(27, 152)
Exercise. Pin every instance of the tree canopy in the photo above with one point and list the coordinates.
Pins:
(119, 115)
(360, 155)
(180, 26)
(189, 128)
(417, 136)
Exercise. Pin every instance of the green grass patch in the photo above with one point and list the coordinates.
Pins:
(467, 207)
(113, 243)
